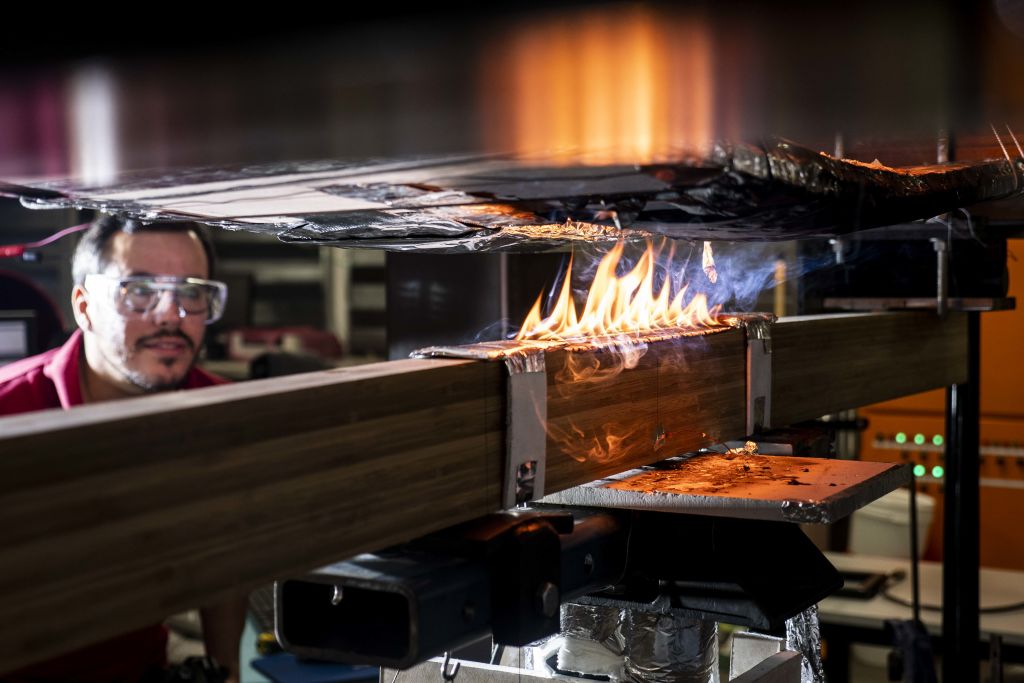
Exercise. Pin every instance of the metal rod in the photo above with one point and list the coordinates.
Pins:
(960, 555)
(942, 278)
(915, 585)
(995, 659)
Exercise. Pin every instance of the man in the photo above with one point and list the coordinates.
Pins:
(142, 299)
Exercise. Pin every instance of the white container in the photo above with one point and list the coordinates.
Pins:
(883, 527)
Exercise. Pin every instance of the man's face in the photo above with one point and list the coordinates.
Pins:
(155, 350)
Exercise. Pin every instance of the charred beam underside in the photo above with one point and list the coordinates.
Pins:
(115, 515)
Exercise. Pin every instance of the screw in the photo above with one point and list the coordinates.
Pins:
(337, 595)
(588, 564)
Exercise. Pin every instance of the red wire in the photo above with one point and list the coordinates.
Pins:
(15, 250)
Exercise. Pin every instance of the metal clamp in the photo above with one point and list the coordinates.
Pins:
(526, 453)
(759, 374)
(527, 416)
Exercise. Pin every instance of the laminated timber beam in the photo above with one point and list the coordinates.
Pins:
(116, 514)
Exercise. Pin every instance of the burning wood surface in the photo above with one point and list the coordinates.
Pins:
(637, 321)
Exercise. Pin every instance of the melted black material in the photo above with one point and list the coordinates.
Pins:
(772, 191)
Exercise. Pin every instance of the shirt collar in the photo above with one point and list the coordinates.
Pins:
(62, 369)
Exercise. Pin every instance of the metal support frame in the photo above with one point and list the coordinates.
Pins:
(526, 450)
(759, 374)
(506, 574)
(961, 533)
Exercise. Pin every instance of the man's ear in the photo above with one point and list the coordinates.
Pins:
(80, 307)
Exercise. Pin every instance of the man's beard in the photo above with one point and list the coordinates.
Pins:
(150, 385)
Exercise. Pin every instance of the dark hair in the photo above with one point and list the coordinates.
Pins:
(91, 254)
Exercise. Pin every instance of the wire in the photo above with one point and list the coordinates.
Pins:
(16, 250)
(998, 609)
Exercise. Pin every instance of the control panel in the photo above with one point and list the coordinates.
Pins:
(920, 440)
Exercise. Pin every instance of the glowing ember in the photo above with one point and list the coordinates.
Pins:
(620, 305)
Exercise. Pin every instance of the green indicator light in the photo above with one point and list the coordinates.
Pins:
(919, 470)
(938, 440)
(919, 439)
(937, 471)
(901, 438)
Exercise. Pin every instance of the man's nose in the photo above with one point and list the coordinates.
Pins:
(167, 310)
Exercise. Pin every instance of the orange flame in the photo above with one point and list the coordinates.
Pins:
(619, 305)
(604, 444)
(600, 85)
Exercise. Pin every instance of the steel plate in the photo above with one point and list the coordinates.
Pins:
(780, 488)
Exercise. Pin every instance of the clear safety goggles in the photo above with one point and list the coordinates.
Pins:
(140, 294)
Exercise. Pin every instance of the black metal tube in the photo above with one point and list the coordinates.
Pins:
(961, 552)
(915, 585)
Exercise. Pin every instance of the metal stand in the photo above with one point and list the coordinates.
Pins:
(961, 554)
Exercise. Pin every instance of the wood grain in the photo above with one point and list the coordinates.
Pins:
(823, 364)
(681, 395)
(114, 515)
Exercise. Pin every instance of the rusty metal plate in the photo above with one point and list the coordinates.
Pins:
(766, 487)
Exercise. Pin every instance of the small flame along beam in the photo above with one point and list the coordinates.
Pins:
(560, 391)
(631, 322)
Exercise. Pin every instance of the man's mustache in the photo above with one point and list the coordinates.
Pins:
(142, 341)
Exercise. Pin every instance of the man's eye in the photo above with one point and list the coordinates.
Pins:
(191, 292)
(139, 290)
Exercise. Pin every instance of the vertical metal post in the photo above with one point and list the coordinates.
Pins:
(960, 553)
(915, 580)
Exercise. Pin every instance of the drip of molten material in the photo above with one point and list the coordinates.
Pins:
(619, 305)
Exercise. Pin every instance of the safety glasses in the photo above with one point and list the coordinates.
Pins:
(140, 294)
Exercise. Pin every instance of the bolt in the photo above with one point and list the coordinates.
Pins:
(588, 564)
(337, 595)
(548, 599)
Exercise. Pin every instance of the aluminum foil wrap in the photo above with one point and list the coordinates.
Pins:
(670, 648)
(529, 360)
(592, 640)
(803, 635)
(602, 624)
(767, 191)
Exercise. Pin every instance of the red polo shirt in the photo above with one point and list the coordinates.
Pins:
(51, 380)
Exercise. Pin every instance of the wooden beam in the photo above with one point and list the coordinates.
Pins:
(823, 364)
(682, 395)
(115, 515)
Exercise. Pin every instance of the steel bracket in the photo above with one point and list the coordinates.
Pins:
(526, 454)
(759, 373)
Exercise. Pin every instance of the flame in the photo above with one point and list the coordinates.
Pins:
(601, 85)
(619, 305)
(604, 444)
